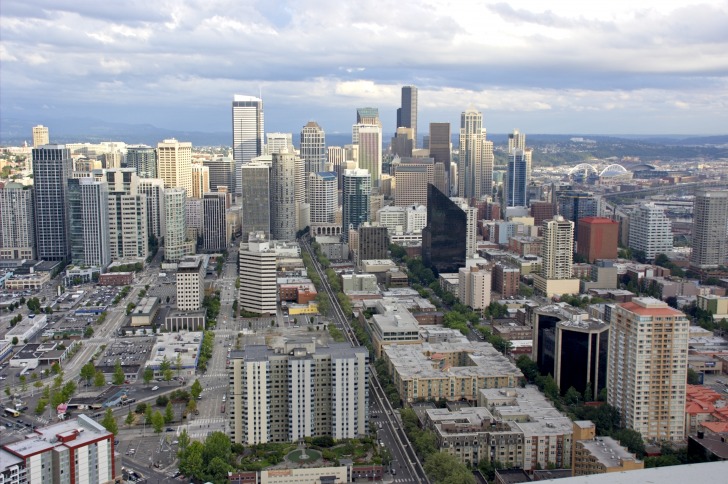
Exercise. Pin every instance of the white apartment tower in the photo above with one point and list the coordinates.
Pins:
(153, 188)
(475, 168)
(557, 249)
(300, 390)
(190, 283)
(258, 290)
(17, 222)
(247, 119)
(128, 229)
(174, 164)
(279, 143)
(323, 196)
(647, 367)
(474, 286)
(710, 227)
(313, 150)
(175, 202)
(650, 230)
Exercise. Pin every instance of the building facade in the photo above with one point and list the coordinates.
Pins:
(128, 229)
(248, 135)
(599, 238)
(650, 231)
(258, 289)
(52, 167)
(88, 204)
(175, 221)
(143, 159)
(190, 283)
(647, 372)
(153, 189)
(370, 151)
(255, 192)
(200, 180)
(174, 164)
(407, 113)
(313, 151)
(356, 193)
(286, 194)
(710, 229)
(40, 136)
(323, 196)
(214, 222)
(444, 239)
(17, 222)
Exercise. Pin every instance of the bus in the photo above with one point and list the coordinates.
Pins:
(11, 412)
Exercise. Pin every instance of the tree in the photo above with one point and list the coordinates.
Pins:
(158, 422)
(118, 378)
(15, 340)
(129, 418)
(168, 413)
(196, 389)
(109, 422)
(443, 468)
(23, 383)
(218, 469)
(56, 369)
(217, 444)
(148, 415)
(40, 408)
(148, 375)
(191, 405)
(167, 375)
(632, 440)
(88, 371)
(178, 364)
(693, 377)
(572, 396)
(588, 393)
(183, 441)
(99, 379)
(88, 332)
(191, 462)
(165, 366)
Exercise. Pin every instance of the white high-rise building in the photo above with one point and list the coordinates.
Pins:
(650, 230)
(301, 390)
(472, 173)
(370, 151)
(323, 196)
(247, 117)
(647, 367)
(128, 229)
(471, 227)
(557, 249)
(313, 150)
(200, 180)
(258, 288)
(416, 218)
(175, 202)
(17, 222)
(474, 285)
(174, 164)
(286, 194)
(190, 283)
(194, 214)
(516, 141)
(279, 143)
(153, 188)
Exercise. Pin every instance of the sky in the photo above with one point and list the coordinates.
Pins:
(609, 67)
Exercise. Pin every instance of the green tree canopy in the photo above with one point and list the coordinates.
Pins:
(443, 468)
(109, 422)
(196, 389)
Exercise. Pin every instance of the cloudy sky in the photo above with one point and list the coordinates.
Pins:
(612, 67)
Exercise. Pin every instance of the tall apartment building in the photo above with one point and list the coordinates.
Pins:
(194, 214)
(153, 189)
(407, 113)
(518, 177)
(364, 116)
(370, 151)
(128, 229)
(174, 164)
(647, 367)
(598, 238)
(88, 205)
(175, 238)
(143, 159)
(313, 150)
(40, 136)
(710, 229)
(222, 173)
(441, 151)
(52, 167)
(475, 168)
(323, 196)
(516, 141)
(411, 178)
(190, 283)
(335, 162)
(474, 285)
(278, 143)
(557, 259)
(356, 192)
(17, 222)
(247, 120)
(286, 194)
(256, 198)
(650, 230)
(258, 290)
(73, 451)
(214, 222)
(200, 180)
(301, 390)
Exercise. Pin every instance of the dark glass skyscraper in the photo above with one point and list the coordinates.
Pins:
(356, 193)
(573, 205)
(407, 114)
(518, 174)
(51, 171)
(445, 237)
(143, 159)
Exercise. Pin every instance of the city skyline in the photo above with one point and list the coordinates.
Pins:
(660, 65)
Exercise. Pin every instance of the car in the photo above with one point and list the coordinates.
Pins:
(170, 429)
(9, 425)
(155, 388)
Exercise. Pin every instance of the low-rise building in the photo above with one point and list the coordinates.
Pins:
(27, 328)
(359, 282)
(599, 455)
(393, 324)
(171, 346)
(27, 282)
(116, 279)
(145, 312)
(448, 371)
(176, 321)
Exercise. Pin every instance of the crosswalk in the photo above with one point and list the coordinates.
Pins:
(199, 429)
(216, 374)
(42, 420)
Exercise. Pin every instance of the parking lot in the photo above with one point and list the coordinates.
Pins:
(130, 353)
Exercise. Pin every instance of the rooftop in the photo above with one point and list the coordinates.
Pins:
(531, 412)
(70, 433)
(607, 451)
(708, 472)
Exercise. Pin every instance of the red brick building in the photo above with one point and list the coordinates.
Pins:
(116, 279)
(505, 280)
(597, 238)
(541, 211)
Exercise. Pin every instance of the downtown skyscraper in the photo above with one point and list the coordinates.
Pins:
(247, 119)
(475, 168)
(286, 194)
(17, 222)
(407, 113)
(52, 167)
(174, 164)
(356, 193)
(88, 202)
(313, 150)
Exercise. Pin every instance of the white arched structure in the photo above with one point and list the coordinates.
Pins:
(613, 170)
